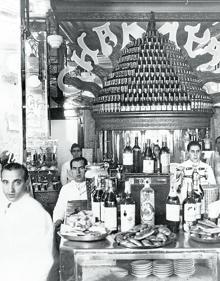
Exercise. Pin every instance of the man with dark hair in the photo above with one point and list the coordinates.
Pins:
(26, 236)
(74, 190)
(65, 175)
(205, 171)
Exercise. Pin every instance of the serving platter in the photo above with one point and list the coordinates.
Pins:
(205, 240)
(89, 237)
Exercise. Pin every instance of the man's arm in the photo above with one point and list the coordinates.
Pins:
(63, 174)
(211, 176)
(59, 209)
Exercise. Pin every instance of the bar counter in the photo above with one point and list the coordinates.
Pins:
(94, 261)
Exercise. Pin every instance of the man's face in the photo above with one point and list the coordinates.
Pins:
(76, 152)
(78, 171)
(13, 183)
(194, 153)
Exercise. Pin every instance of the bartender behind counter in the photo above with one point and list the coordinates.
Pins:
(74, 190)
(187, 167)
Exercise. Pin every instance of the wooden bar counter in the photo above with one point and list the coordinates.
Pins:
(96, 261)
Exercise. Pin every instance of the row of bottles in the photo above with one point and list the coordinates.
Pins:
(152, 99)
(192, 208)
(203, 137)
(151, 160)
(118, 213)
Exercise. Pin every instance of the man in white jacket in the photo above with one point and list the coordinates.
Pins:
(26, 236)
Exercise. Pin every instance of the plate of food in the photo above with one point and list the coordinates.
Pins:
(205, 232)
(81, 226)
(146, 237)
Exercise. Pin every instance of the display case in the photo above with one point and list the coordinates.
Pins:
(104, 260)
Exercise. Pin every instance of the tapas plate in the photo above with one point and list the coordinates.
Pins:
(146, 237)
(89, 237)
(208, 240)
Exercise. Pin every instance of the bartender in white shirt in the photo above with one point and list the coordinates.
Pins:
(26, 236)
(74, 190)
(187, 167)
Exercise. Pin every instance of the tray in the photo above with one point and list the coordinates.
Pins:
(202, 240)
(171, 239)
(85, 238)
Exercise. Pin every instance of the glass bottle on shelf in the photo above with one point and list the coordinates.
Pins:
(165, 157)
(96, 199)
(105, 188)
(207, 141)
(128, 157)
(198, 192)
(110, 211)
(147, 205)
(148, 161)
(127, 209)
(173, 209)
(136, 157)
(189, 209)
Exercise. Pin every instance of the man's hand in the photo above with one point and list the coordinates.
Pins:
(57, 225)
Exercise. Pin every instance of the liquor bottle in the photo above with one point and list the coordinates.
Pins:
(173, 210)
(127, 209)
(136, 157)
(110, 211)
(148, 161)
(128, 157)
(198, 194)
(96, 200)
(165, 157)
(147, 205)
(207, 141)
(156, 157)
(189, 209)
(105, 187)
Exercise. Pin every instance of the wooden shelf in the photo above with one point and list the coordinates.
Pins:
(152, 120)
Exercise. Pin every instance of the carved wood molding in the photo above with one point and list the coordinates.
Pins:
(151, 120)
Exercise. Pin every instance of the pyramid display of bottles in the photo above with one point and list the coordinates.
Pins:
(152, 74)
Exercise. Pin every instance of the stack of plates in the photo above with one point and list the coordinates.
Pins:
(184, 267)
(141, 268)
(163, 268)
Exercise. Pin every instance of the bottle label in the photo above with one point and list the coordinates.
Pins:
(127, 217)
(148, 166)
(172, 212)
(127, 159)
(111, 218)
(147, 213)
(96, 210)
(189, 212)
(165, 163)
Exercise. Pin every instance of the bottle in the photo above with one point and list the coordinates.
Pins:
(127, 209)
(173, 210)
(165, 157)
(110, 211)
(147, 205)
(207, 141)
(156, 157)
(96, 200)
(105, 187)
(148, 161)
(136, 157)
(128, 157)
(189, 209)
(198, 194)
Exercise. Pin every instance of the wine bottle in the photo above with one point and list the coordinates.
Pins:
(198, 194)
(189, 209)
(147, 205)
(96, 200)
(127, 209)
(173, 210)
(105, 187)
(128, 157)
(148, 161)
(165, 157)
(110, 211)
(136, 157)
(207, 142)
